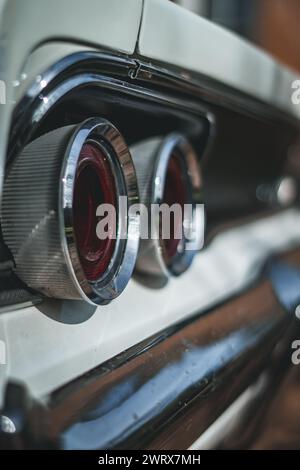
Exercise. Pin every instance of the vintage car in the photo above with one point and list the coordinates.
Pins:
(132, 342)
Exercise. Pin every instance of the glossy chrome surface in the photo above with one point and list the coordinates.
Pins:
(119, 271)
(151, 160)
(165, 391)
(139, 73)
(36, 107)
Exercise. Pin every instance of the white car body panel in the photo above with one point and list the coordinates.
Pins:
(176, 36)
(109, 24)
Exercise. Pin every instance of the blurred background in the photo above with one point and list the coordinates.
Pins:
(272, 24)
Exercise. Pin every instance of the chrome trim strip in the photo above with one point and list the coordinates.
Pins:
(44, 101)
(137, 73)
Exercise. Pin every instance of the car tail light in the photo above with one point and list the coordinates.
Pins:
(49, 212)
(168, 172)
(94, 185)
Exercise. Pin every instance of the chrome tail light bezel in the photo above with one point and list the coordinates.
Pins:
(114, 280)
(151, 158)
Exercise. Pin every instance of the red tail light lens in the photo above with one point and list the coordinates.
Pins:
(175, 192)
(94, 185)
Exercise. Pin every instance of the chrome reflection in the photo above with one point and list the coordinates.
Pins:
(152, 158)
(123, 410)
(198, 370)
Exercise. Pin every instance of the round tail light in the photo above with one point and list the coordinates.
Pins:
(50, 213)
(168, 174)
